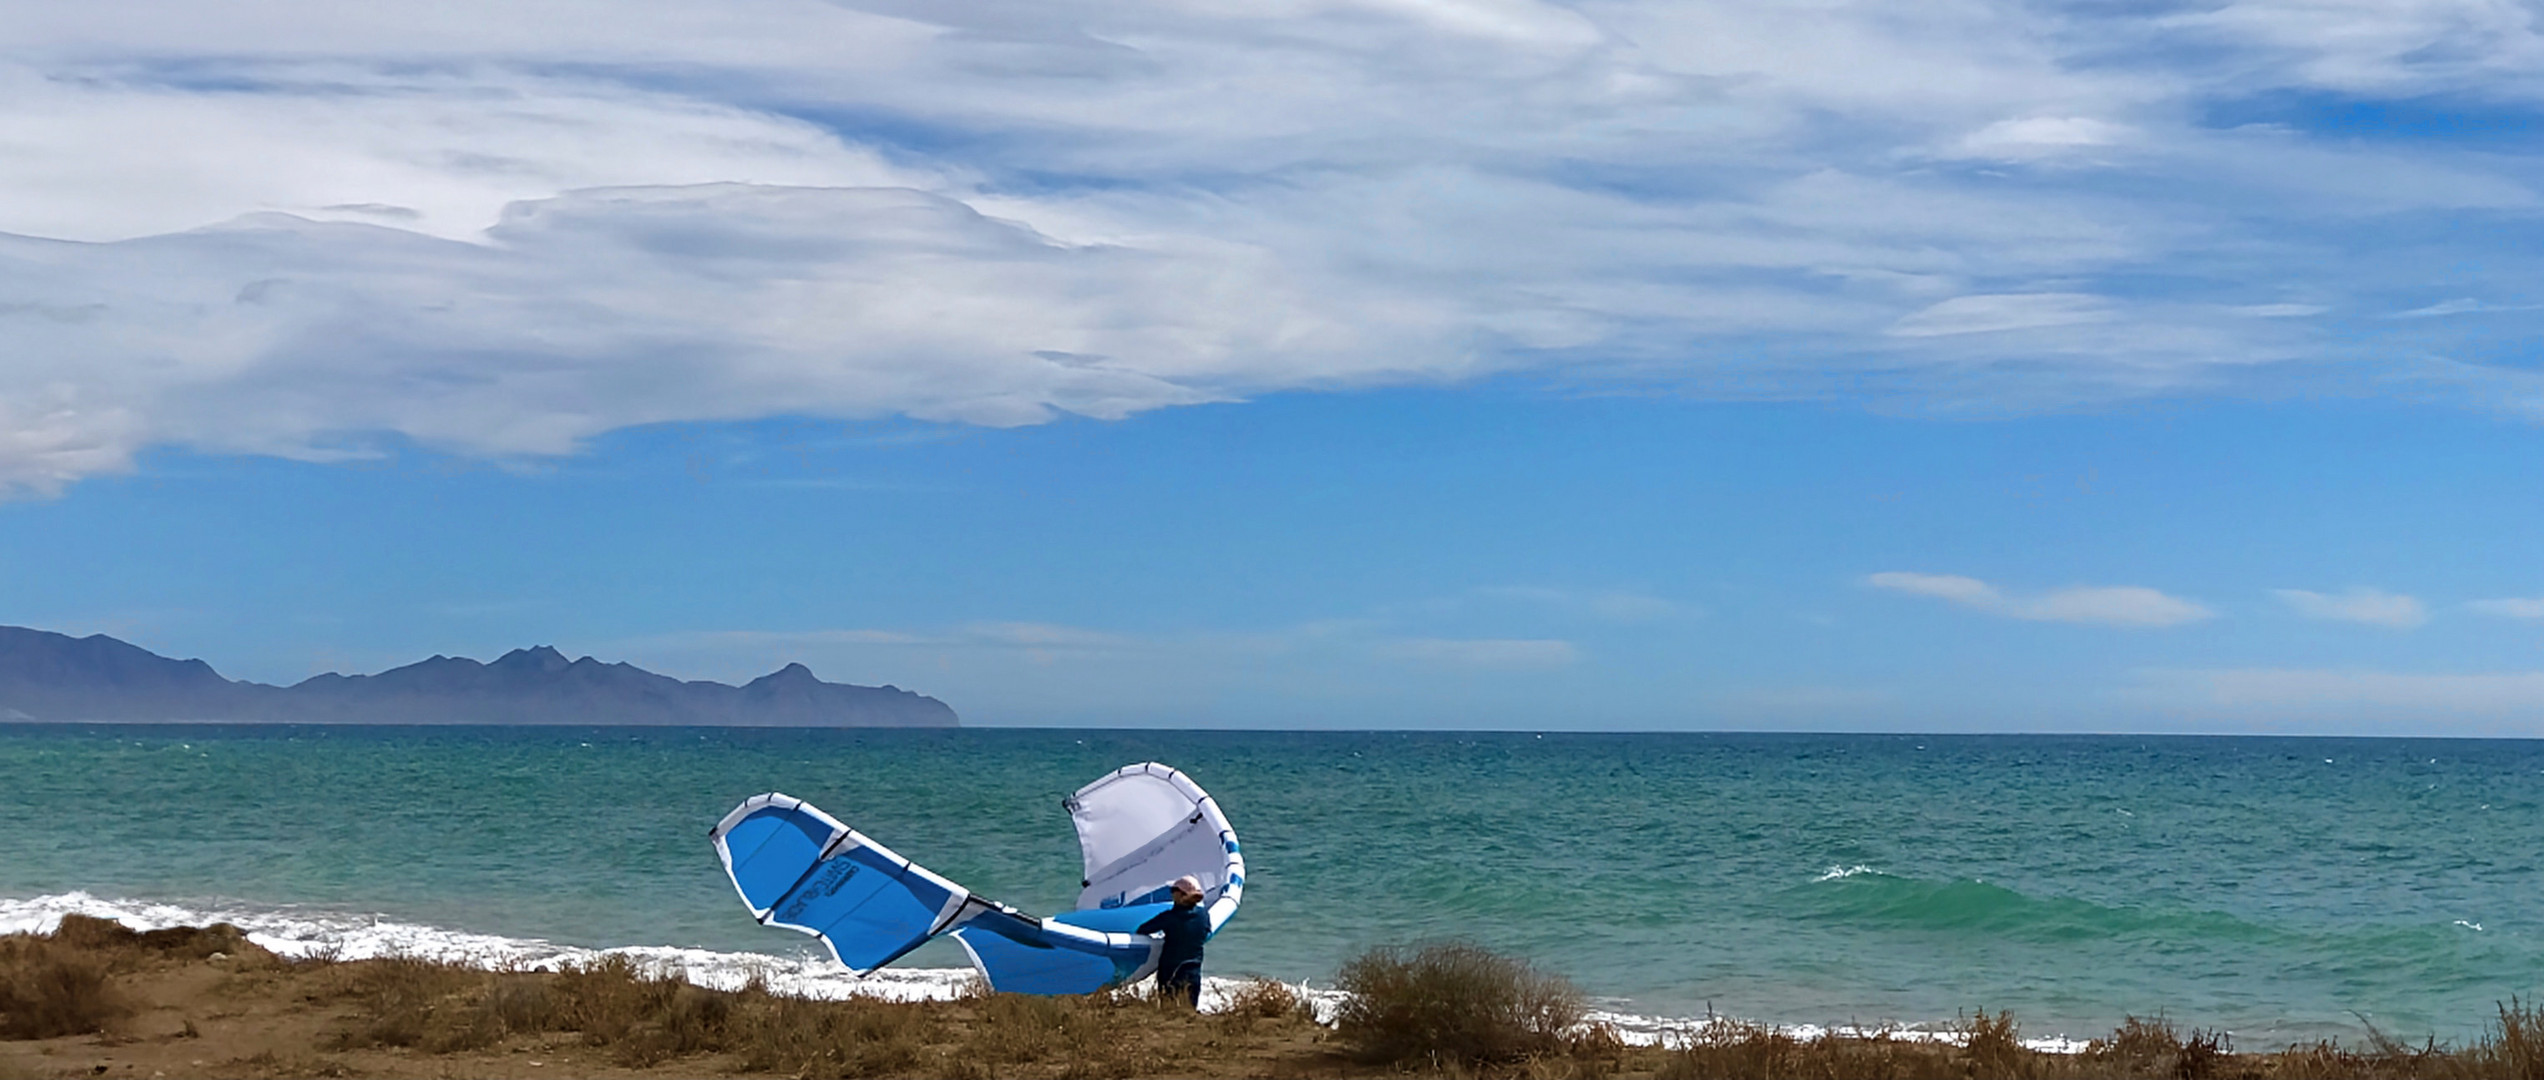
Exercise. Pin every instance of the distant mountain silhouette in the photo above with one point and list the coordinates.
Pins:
(46, 676)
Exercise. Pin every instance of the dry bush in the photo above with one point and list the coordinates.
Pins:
(1118, 1032)
(2202, 1055)
(1732, 1050)
(1019, 1028)
(858, 1037)
(62, 983)
(648, 1015)
(2516, 1047)
(523, 1003)
(1453, 1003)
(1993, 1048)
(1259, 998)
(687, 1021)
(411, 1002)
(608, 997)
(2138, 1047)
(48, 989)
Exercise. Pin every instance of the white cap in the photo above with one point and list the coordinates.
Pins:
(1186, 884)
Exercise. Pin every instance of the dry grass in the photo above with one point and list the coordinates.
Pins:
(47, 990)
(646, 1017)
(1458, 1005)
(1991, 1049)
(1259, 998)
(1452, 1010)
(62, 983)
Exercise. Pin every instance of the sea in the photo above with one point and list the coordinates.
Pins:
(2282, 890)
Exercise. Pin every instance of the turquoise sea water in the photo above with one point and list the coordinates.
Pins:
(2280, 888)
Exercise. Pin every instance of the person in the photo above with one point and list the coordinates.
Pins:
(1185, 927)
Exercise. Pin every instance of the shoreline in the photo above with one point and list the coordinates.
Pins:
(346, 937)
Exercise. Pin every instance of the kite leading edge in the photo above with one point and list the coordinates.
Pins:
(1139, 828)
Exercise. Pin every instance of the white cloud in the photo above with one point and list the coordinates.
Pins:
(1123, 206)
(1493, 654)
(2444, 307)
(2118, 605)
(2034, 138)
(2459, 306)
(2360, 604)
(1988, 314)
(2514, 607)
(2369, 47)
(1606, 605)
(438, 152)
(2109, 605)
(609, 308)
(1960, 590)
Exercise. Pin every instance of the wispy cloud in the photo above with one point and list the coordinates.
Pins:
(1606, 605)
(1499, 654)
(2513, 607)
(2109, 605)
(1989, 314)
(2459, 306)
(2374, 607)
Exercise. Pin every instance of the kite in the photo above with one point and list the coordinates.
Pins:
(1140, 828)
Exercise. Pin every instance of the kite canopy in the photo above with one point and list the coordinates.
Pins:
(1139, 828)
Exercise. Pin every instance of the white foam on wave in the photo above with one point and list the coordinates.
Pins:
(1837, 872)
(302, 933)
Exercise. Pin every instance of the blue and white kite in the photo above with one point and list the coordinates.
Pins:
(1140, 828)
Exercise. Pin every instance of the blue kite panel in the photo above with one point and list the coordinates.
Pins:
(1116, 920)
(865, 907)
(771, 849)
(1018, 957)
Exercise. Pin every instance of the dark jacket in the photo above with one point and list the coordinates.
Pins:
(1185, 929)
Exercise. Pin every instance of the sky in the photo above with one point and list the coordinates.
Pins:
(1963, 366)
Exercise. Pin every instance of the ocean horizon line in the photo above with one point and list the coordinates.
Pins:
(1537, 732)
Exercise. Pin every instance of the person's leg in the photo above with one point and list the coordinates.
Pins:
(1183, 982)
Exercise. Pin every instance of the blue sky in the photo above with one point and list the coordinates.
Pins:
(1468, 363)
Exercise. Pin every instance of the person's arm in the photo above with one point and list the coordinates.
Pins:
(1156, 923)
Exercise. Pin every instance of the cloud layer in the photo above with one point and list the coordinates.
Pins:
(2374, 607)
(514, 226)
(2108, 605)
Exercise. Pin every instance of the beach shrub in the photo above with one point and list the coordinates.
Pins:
(1266, 999)
(2202, 1055)
(48, 990)
(1993, 1047)
(2517, 1046)
(1735, 1050)
(2138, 1047)
(405, 996)
(859, 1037)
(1453, 1003)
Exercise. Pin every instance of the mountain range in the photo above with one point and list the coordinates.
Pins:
(45, 676)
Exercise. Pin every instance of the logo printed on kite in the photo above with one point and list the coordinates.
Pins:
(826, 880)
